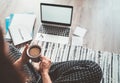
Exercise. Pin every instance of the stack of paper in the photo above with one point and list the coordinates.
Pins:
(78, 35)
(21, 28)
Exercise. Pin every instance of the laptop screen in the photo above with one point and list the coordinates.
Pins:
(56, 14)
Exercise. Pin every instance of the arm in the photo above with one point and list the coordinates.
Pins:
(46, 78)
(44, 67)
(19, 64)
(22, 60)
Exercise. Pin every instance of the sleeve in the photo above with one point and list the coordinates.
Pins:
(33, 75)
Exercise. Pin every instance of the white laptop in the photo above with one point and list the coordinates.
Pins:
(55, 22)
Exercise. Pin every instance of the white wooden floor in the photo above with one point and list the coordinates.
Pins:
(101, 18)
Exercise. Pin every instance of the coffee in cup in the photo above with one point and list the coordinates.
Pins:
(34, 52)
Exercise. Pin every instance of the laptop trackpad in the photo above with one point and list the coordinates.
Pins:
(52, 38)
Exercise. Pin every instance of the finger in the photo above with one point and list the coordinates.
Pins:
(40, 67)
(25, 51)
(24, 56)
(35, 42)
(45, 58)
(41, 57)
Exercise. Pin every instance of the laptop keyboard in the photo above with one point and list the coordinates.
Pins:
(53, 30)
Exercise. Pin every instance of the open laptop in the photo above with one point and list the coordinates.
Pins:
(55, 22)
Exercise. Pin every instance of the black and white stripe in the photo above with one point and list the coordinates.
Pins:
(109, 62)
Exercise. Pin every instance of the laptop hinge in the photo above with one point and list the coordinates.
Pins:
(56, 25)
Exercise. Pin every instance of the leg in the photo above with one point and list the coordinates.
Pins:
(76, 72)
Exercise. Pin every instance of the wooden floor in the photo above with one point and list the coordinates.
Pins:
(100, 18)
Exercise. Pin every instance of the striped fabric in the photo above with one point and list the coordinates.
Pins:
(109, 62)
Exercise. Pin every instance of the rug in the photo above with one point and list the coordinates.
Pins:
(109, 62)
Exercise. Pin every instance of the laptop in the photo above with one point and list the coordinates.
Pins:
(56, 21)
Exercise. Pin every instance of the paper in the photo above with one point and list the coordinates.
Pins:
(52, 38)
(80, 32)
(7, 37)
(77, 40)
(21, 28)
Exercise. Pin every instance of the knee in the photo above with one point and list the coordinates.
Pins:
(95, 71)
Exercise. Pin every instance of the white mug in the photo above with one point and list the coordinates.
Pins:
(34, 52)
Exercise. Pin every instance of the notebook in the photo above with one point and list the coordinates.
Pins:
(21, 28)
(56, 21)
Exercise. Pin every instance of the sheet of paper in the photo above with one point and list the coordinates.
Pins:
(7, 37)
(21, 28)
(52, 38)
(80, 31)
(77, 40)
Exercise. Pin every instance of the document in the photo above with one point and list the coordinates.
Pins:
(51, 38)
(80, 32)
(77, 40)
(78, 36)
(21, 28)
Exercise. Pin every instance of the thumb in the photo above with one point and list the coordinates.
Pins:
(25, 50)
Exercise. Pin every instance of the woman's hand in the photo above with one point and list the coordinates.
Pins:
(44, 69)
(44, 65)
(23, 59)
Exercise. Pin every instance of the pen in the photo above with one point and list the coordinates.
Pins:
(21, 34)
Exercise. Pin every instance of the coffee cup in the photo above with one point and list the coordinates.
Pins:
(34, 52)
